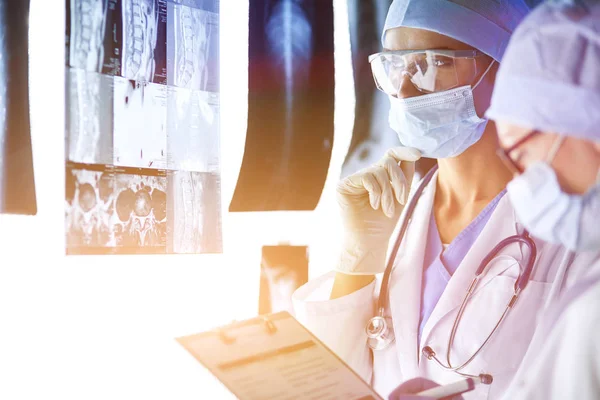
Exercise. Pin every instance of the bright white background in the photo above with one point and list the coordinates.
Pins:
(105, 327)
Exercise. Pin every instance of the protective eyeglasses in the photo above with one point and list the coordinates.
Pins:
(513, 165)
(429, 70)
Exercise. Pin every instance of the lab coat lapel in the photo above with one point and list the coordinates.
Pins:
(502, 224)
(405, 284)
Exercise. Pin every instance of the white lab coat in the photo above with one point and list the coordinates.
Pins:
(340, 323)
(563, 360)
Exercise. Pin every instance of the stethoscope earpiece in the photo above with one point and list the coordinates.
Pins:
(486, 379)
(428, 352)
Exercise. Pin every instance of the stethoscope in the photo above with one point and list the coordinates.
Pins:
(380, 331)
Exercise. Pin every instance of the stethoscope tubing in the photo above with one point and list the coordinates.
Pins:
(384, 292)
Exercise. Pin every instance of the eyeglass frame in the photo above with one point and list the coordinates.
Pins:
(442, 52)
(504, 154)
(474, 53)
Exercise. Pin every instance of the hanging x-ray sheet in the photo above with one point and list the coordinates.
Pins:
(142, 127)
(371, 135)
(17, 186)
(290, 106)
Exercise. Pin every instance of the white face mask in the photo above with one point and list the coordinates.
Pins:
(440, 125)
(553, 215)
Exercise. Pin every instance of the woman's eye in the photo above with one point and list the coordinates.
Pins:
(443, 62)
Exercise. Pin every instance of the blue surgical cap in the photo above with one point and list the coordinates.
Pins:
(483, 24)
(550, 76)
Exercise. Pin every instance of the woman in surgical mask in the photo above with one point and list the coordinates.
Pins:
(438, 67)
(546, 106)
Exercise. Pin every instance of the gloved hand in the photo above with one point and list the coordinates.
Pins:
(371, 202)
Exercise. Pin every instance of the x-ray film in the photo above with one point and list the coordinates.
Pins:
(89, 117)
(291, 95)
(140, 124)
(17, 184)
(141, 210)
(142, 136)
(144, 40)
(115, 210)
(89, 207)
(87, 26)
(193, 213)
(125, 38)
(193, 130)
(94, 35)
(193, 47)
(206, 5)
(283, 269)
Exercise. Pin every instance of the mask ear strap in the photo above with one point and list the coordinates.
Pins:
(554, 149)
(484, 74)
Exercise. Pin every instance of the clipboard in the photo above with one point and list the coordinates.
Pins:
(275, 357)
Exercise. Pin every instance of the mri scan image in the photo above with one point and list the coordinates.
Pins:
(140, 123)
(142, 143)
(125, 38)
(144, 39)
(194, 213)
(141, 212)
(89, 117)
(88, 20)
(89, 208)
(110, 210)
(193, 47)
(193, 130)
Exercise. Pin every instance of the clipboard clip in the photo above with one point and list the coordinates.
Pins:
(228, 339)
(225, 337)
(269, 325)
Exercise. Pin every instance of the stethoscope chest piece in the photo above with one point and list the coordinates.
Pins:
(379, 333)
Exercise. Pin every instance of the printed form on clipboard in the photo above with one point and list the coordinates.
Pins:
(275, 357)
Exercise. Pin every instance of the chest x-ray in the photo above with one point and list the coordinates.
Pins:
(17, 186)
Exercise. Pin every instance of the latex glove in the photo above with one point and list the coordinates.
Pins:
(408, 390)
(371, 202)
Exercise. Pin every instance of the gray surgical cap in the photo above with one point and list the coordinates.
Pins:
(550, 76)
(483, 24)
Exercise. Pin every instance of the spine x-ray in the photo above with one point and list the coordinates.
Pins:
(142, 127)
(290, 106)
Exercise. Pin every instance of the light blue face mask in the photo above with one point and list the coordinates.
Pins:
(553, 215)
(440, 125)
